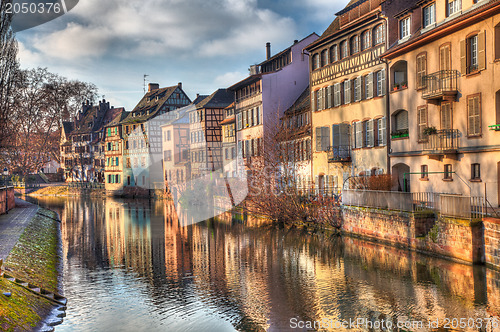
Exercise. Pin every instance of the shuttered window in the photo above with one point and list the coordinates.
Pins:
(472, 53)
(369, 86)
(329, 96)
(474, 115)
(382, 132)
(402, 120)
(347, 92)
(421, 70)
(322, 138)
(370, 133)
(340, 134)
(358, 134)
(446, 116)
(357, 89)
(422, 122)
(381, 83)
(337, 95)
(444, 57)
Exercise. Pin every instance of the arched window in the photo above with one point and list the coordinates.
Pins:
(378, 34)
(324, 58)
(400, 121)
(366, 41)
(334, 54)
(399, 75)
(354, 44)
(344, 49)
(315, 61)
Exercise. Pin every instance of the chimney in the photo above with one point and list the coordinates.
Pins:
(179, 85)
(153, 86)
(295, 41)
(268, 50)
(197, 95)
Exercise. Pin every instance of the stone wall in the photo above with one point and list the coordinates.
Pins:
(455, 238)
(492, 242)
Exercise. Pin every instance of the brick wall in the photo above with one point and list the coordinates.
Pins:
(492, 241)
(457, 239)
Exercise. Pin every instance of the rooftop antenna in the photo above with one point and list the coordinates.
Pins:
(144, 86)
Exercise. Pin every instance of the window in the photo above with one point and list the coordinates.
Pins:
(322, 138)
(357, 89)
(379, 36)
(445, 57)
(168, 135)
(474, 115)
(167, 155)
(429, 15)
(354, 44)
(347, 91)
(472, 53)
(454, 6)
(315, 61)
(381, 132)
(324, 58)
(497, 41)
(340, 133)
(381, 83)
(404, 28)
(369, 133)
(446, 116)
(421, 70)
(366, 41)
(368, 86)
(422, 122)
(337, 94)
(399, 74)
(358, 134)
(400, 121)
(344, 49)
(475, 171)
(424, 172)
(334, 56)
(448, 172)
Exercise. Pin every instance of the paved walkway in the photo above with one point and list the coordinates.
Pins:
(13, 224)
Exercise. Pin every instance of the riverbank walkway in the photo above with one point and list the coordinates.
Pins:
(13, 224)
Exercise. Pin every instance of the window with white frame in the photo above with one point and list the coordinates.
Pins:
(381, 83)
(366, 41)
(334, 55)
(357, 88)
(347, 91)
(337, 94)
(454, 6)
(358, 134)
(382, 131)
(369, 133)
(429, 15)
(404, 28)
(354, 44)
(368, 86)
(379, 34)
(344, 49)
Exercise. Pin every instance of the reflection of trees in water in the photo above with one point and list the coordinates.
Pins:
(260, 277)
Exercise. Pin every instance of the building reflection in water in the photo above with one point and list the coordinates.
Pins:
(258, 278)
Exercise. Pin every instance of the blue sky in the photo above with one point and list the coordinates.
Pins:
(203, 44)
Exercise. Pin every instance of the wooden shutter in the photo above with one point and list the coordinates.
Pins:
(335, 135)
(402, 120)
(382, 131)
(383, 78)
(481, 54)
(369, 86)
(347, 92)
(444, 58)
(358, 126)
(370, 135)
(337, 95)
(320, 99)
(325, 138)
(446, 116)
(474, 115)
(421, 121)
(421, 70)
(329, 97)
(344, 134)
(358, 83)
(318, 139)
(463, 57)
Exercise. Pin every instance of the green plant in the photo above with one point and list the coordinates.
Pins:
(404, 84)
(430, 130)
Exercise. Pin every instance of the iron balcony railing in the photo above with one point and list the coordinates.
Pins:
(440, 84)
(341, 153)
(446, 140)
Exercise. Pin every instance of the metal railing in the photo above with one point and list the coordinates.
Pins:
(444, 82)
(388, 200)
(86, 185)
(467, 207)
(442, 140)
(341, 153)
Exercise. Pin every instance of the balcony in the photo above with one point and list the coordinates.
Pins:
(441, 143)
(339, 154)
(442, 85)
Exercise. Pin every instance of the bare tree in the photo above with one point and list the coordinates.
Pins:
(42, 100)
(9, 69)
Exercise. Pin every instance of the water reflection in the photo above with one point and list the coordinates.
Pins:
(133, 266)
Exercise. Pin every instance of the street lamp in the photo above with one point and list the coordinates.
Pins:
(5, 173)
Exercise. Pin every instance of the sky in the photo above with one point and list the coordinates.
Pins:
(205, 44)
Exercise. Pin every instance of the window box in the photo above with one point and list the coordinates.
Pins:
(395, 87)
(400, 133)
(430, 131)
(495, 127)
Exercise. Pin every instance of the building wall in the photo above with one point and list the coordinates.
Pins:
(111, 169)
(492, 242)
(484, 149)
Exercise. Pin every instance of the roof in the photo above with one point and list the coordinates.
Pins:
(117, 119)
(228, 121)
(249, 80)
(68, 127)
(151, 104)
(199, 98)
(219, 99)
(284, 51)
(233, 104)
(302, 103)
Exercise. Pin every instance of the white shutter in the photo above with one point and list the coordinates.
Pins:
(357, 90)
(336, 95)
(347, 92)
(318, 139)
(382, 72)
(370, 136)
(359, 134)
(382, 132)
(329, 97)
(320, 99)
(369, 86)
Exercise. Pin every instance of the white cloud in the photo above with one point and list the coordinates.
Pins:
(230, 78)
(160, 28)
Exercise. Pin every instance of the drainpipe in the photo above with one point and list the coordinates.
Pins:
(387, 114)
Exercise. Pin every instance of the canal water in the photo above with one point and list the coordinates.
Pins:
(130, 265)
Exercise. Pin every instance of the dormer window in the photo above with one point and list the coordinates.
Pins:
(404, 28)
(429, 15)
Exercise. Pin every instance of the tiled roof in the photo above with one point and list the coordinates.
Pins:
(117, 119)
(150, 104)
(68, 127)
(228, 121)
(219, 99)
(199, 98)
(284, 51)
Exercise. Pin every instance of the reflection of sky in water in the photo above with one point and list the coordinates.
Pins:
(130, 266)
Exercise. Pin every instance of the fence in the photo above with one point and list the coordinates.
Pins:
(86, 185)
(462, 206)
(7, 200)
(449, 205)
